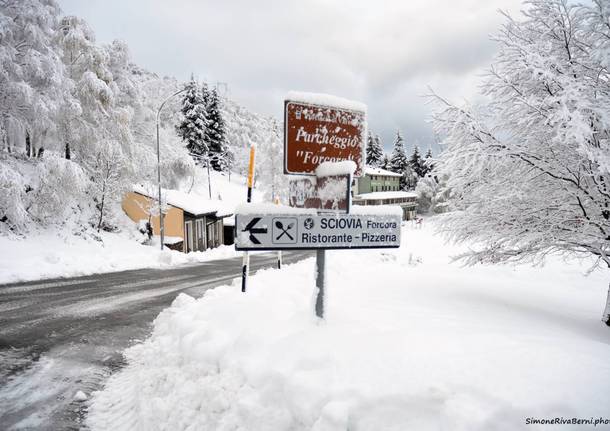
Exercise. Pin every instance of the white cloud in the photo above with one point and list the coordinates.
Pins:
(384, 53)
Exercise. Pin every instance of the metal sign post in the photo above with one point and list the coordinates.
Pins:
(279, 252)
(246, 259)
(320, 281)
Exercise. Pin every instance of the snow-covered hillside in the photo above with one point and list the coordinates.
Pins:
(410, 342)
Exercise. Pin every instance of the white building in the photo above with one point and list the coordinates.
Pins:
(380, 187)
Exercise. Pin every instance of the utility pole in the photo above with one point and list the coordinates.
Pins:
(161, 222)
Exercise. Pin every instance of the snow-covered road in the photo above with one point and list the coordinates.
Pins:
(61, 336)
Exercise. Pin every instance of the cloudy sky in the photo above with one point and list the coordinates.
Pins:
(383, 53)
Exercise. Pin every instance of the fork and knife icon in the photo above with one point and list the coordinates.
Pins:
(284, 230)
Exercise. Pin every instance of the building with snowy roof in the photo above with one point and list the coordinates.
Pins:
(381, 187)
(191, 222)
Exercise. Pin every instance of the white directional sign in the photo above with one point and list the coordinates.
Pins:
(307, 231)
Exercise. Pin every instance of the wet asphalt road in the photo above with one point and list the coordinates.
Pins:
(61, 336)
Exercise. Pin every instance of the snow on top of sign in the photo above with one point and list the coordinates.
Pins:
(371, 170)
(386, 195)
(269, 208)
(328, 169)
(380, 210)
(192, 203)
(325, 100)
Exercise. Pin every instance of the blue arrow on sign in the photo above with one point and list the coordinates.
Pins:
(252, 230)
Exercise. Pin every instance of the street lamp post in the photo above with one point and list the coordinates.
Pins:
(161, 222)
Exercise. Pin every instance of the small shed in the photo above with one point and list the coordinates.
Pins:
(191, 222)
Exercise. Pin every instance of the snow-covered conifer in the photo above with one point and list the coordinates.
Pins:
(428, 162)
(417, 163)
(385, 162)
(399, 162)
(215, 131)
(374, 151)
(398, 158)
(192, 129)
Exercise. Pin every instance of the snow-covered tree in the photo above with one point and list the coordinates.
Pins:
(192, 129)
(243, 128)
(417, 163)
(531, 166)
(31, 73)
(428, 162)
(50, 201)
(13, 205)
(399, 162)
(270, 165)
(385, 162)
(106, 168)
(398, 158)
(374, 151)
(432, 194)
(95, 108)
(215, 131)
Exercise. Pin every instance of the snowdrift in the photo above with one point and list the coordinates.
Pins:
(410, 342)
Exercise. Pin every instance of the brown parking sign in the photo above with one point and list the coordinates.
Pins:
(316, 133)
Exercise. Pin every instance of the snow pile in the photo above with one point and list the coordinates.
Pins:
(193, 203)
(325, 100)
(410, 342)
(53, 254)
(329, 169)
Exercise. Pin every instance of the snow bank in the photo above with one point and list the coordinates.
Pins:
(329, 169)
(325, 100)
(54, 254)
(410, 342)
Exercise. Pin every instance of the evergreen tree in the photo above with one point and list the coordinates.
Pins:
(192, 129)
(417, 163)
(398, 160)
(374, 151)
(428, 164)
(215, 132)
(205, 94)
(385, 162)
